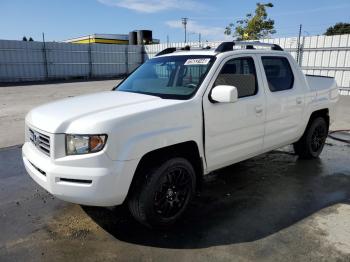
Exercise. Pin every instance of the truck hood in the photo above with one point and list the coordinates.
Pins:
(55, 117)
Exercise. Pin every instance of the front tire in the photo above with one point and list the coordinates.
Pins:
(312, 142)
(160, 196)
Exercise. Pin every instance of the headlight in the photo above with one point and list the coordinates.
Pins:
(84, 144)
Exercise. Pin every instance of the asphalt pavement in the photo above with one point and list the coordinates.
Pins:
(273, 207)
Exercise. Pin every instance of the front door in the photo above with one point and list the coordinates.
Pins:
(235, 131)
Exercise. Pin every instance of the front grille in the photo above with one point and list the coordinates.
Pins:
(41, 141)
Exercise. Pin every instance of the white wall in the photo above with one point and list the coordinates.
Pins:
(25, 61)
(319, 55)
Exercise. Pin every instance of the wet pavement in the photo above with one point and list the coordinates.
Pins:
(273, 207)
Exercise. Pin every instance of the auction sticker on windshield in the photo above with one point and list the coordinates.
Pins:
(198, 61)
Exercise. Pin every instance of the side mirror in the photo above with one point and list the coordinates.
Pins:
(224, 94)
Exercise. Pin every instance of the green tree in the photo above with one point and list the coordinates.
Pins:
(24, 38)
(338, 29)
(253, 27)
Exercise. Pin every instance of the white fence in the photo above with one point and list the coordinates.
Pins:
(33, 61)
(318, 55)
(30, 61)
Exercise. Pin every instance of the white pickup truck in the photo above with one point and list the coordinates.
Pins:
(179, 116)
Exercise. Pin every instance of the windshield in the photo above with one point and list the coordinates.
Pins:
(172, 77)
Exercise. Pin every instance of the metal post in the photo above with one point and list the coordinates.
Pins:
(301, 51)
(90, 58)
(299, 38)
(46, 66)
(126, 60)
(143, 52)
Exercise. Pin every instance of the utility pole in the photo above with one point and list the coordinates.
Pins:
(184, 22)
(299, 43)
(199, 38)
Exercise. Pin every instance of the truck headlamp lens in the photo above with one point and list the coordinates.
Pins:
(84, 144)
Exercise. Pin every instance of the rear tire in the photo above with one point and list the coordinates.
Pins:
(311, 144)
(159, 197)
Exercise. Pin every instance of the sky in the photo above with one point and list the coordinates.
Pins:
(64, 19)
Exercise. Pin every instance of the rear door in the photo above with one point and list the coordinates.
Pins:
(235, 131)
(285, 100)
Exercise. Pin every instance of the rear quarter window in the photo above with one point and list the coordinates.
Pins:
(278, 72)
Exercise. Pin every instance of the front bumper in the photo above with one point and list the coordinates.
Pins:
(92, 179)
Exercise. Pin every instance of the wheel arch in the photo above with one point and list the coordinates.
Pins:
(188, 150)
(324, 113)
(302, 147)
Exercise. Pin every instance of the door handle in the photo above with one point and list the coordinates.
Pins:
(259, 109)
(299, 100)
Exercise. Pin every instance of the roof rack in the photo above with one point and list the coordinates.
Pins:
(170, 50)
(223, 47)
(228, 46)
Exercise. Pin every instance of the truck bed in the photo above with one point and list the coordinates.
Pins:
(323, 92)
(321, 83)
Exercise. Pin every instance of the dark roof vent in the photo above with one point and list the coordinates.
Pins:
(166, 51)
(186, 48)
(225, 46)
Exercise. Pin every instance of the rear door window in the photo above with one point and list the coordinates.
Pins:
(278, 72)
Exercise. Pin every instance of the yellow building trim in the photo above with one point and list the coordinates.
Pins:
(101, 41)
